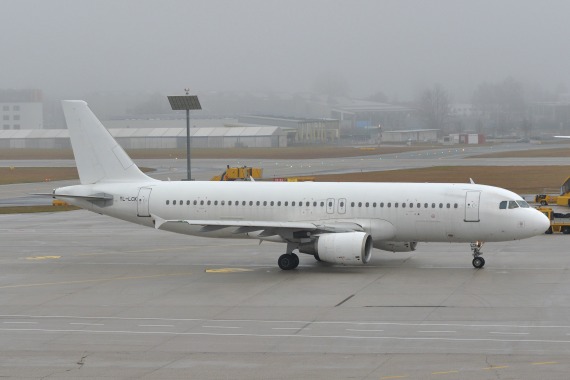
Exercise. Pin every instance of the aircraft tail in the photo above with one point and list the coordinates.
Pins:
(99, 158)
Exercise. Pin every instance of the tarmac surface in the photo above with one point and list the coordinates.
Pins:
(87, 296)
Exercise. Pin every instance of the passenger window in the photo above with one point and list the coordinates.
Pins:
(433, 205)
(167, 202)
(293, 203)
(278, 203)
(374, 204)
(448, 205)
(195, 203)
(229, 203)
(209, 203)
(382, 204)
(396, 205)
(403, 205)
(271, 204)
(181, 203)
(359, 204)
(174, 202)
(314, 204)
(367, 204)
(265, 203)
(201, 203)
(389, 205)
(187, 203)
(341, 204)
(455, 205)
(426, 205)
(351, 204)
(251, 203)
(286, 203)
(307, 204)
(215, 203)
(441, 205)
(257, 203)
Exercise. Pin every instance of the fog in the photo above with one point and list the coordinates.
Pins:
(71, 48)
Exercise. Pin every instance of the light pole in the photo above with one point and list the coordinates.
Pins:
(186, 102)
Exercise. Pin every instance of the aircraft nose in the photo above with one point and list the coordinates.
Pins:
(540, 223)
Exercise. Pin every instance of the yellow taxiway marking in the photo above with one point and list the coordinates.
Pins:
(228, 270)
(497, 367)
(444, 373)
(394, 377)
(43, 257)
(543, 363)
(93, 280)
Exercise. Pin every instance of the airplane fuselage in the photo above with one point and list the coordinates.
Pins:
(426, 212)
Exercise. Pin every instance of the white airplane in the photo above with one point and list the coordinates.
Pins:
(337, 223)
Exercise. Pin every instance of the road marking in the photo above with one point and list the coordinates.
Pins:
(86, 324)
(364, 330)
(508, 333)
(444, 372)
(94, 280)
(222, 327)
(228, 270)
(31, 323)
(43, 257)
(437, 331)
(290, 328)
(156, 325)
(543, 363)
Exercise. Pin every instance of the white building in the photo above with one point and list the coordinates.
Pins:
(21, 109)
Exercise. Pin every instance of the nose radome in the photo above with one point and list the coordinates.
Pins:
(540, 222)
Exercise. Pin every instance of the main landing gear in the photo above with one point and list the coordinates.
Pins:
(478, 261)
(289, 260)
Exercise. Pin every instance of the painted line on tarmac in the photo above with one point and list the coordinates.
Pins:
(93, 280)
(349, 337)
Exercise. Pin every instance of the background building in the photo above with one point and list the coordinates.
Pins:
(21, 109)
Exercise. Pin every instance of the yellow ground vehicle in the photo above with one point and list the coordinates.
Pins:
(239, 173)
(558, 222)
(563, 199)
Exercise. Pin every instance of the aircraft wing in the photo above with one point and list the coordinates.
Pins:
(269, 227)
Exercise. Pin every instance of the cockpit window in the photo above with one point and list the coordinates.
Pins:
(513, 204)
(523, 204)
(503, 205)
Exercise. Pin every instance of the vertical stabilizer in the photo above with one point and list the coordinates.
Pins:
(99, 158)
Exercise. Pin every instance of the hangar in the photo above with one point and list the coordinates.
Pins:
(155, 138)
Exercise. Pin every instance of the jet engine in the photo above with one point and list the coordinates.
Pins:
(351, 248)
(396, 246)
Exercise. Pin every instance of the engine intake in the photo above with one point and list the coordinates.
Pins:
(351, 248)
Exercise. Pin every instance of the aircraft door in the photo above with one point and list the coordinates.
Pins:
(472, 206)
(330, 206)
(342, 205)
(143, 208)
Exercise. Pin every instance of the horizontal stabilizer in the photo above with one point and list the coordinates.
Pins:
(93, 197)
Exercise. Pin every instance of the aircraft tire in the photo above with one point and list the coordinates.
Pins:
(288, 261)
(478, 262)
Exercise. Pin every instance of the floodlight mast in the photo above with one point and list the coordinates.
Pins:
(187, 103)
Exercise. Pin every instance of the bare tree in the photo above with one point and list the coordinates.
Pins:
(434, 106)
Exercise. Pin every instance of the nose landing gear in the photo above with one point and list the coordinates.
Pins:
(478, 261)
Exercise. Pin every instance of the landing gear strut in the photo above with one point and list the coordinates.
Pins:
(478, 261)
(289, 260)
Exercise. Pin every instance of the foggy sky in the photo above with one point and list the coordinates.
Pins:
(70, 48)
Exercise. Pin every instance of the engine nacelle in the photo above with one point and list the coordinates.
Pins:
(351, 248)
(396, 246)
